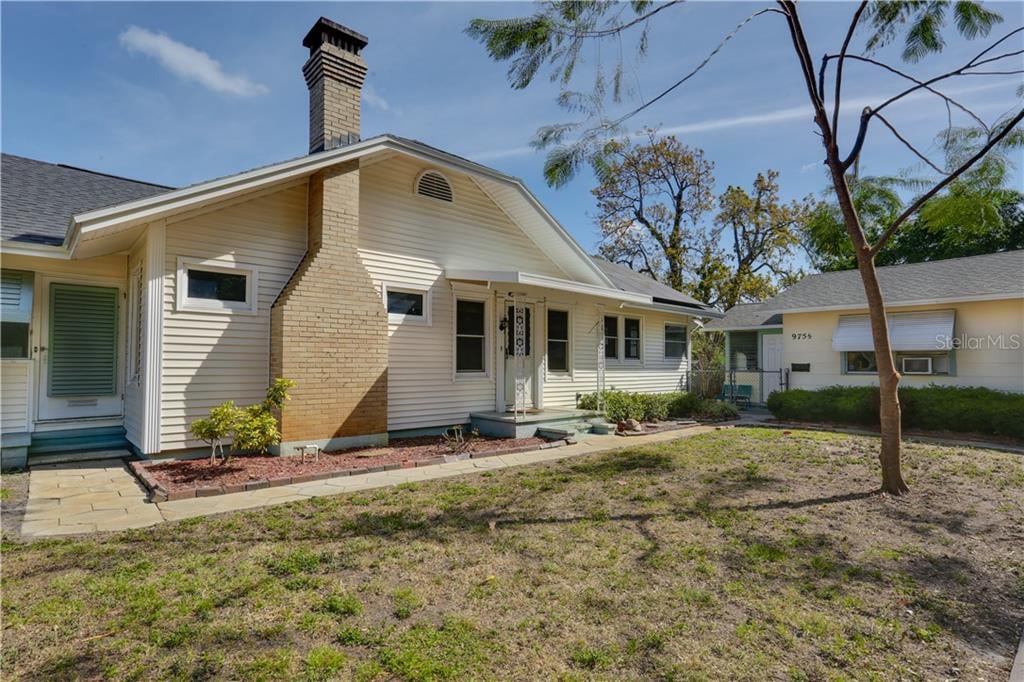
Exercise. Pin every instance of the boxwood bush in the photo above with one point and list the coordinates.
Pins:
(623, 405)
(934, 408)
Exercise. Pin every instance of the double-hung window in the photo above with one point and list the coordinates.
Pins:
(631, 337)
(558, 340)
(470, 337)
(675, 341)
(611, 337)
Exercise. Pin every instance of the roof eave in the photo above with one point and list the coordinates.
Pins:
(904, 304)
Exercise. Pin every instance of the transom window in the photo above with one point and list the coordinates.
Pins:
(632, 338)
(470, 337)
(675, 341)
(407, 305)
(216, 287)
(558, 340)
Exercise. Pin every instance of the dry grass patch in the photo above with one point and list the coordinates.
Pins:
(739, 554)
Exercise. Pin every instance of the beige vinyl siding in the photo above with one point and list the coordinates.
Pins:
(654, 373)
(15, 393)
(133, 391)
(210, 357)
(408, 241)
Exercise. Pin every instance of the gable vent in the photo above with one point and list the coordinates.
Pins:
(434, 185)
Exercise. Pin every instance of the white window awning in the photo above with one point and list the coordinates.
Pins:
(919, 331)
(529, 278)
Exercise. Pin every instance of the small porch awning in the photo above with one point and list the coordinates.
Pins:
(919, 331)
(546, 282)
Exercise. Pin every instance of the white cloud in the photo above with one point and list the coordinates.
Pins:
(371, 97)
(189, 63)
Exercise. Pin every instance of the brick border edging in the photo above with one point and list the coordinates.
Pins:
(157, 493)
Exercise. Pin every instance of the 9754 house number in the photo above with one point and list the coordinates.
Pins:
(800, 336)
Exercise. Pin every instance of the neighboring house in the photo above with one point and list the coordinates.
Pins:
(384, 276)
(957, 322)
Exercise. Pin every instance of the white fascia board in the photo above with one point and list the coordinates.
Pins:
(545, 282)
(745, 329)
(907, 304)
(38, 250)
(679, 310)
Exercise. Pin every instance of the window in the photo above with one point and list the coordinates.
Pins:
(407, 305)
(632, 338)
(916, 362)
(922, 365)
(216, 287)
(862, 361)
(470, 337)
(675, 341)
(135, 332)
(15, 313)
(611, 337)
(742, 350)
(558, 340)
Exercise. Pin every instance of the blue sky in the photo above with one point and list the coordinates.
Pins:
(81, 86)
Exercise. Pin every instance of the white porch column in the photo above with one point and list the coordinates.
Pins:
(154, 329)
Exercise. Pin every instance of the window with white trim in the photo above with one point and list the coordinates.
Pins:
(15, 313)
(407, 305)
(136, 286)
(631, 338)
(207, 286)
(470, 337)
(611, 337)
(675, 341)
(558, 340)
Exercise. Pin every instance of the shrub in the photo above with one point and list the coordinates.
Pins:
(715, 410)
(254, 428)
(623, 405)
(947, 408)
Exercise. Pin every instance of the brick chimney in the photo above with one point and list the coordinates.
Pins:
(328, 326)
(334, 75)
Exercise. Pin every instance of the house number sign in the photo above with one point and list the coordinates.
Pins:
(801, 336)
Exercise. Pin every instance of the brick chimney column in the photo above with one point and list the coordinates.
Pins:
(329, 328)
(334, 74)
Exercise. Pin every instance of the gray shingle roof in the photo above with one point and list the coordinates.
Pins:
(37, 199)
(994, 275)
(747, 316)
(629, 280)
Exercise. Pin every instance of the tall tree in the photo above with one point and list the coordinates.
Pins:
(651, 197)
(557, 32)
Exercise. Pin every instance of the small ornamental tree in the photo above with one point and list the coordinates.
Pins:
(217, 427)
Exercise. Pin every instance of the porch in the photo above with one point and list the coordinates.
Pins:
(548, 422)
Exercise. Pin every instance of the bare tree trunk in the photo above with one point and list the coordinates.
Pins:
(888, 377)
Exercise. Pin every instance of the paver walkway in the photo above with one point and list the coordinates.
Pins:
(103, 495)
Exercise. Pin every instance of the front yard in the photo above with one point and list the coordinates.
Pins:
(743, 553)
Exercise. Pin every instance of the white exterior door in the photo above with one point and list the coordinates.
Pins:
(771, 362)
(519, 361)
(79, 366)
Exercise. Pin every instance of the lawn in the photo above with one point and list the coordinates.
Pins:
(737, 554)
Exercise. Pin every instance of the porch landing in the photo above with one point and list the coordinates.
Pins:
(510, 425)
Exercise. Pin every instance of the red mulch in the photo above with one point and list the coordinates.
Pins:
(198, 473)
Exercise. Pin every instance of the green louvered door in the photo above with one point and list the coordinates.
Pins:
(80, 359)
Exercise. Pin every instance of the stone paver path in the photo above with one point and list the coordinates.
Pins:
(104, 496)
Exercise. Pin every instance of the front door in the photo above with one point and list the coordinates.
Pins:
(519, 358)
(771, 363)
(77, 350)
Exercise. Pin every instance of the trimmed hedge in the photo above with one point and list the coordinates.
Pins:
(935, 408)
(623, 405)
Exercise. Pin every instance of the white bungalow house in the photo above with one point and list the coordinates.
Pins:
(391, 280)
(957, 322)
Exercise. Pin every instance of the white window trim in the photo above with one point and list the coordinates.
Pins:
(136, 325)
(620, 358)
(416, 187)
(204, 305)
(617, 358)
(568, 310)
(458, 376)
(397, 318)
(664, 341)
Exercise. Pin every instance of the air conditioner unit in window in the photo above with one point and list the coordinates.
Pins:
(917, 365)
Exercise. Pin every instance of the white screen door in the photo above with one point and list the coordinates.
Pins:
(528, 352)
(78, 351)
(771, 362)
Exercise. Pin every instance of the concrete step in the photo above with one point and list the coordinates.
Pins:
(80, 444)
(73, 457)
(96, 431)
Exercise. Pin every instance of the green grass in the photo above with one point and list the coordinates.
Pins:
(738, 554)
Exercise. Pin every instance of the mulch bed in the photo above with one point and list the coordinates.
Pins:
(181, 479)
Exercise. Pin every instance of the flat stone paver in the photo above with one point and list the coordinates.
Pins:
(67, 499)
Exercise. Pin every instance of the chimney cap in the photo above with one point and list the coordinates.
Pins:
(327, 31)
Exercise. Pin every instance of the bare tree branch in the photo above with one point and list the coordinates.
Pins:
(839, 69)
(993, 141)
(907, 144)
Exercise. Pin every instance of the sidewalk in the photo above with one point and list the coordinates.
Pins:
(103, 496)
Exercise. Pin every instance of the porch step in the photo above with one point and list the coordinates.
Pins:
(72, 457)
(77, 442)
